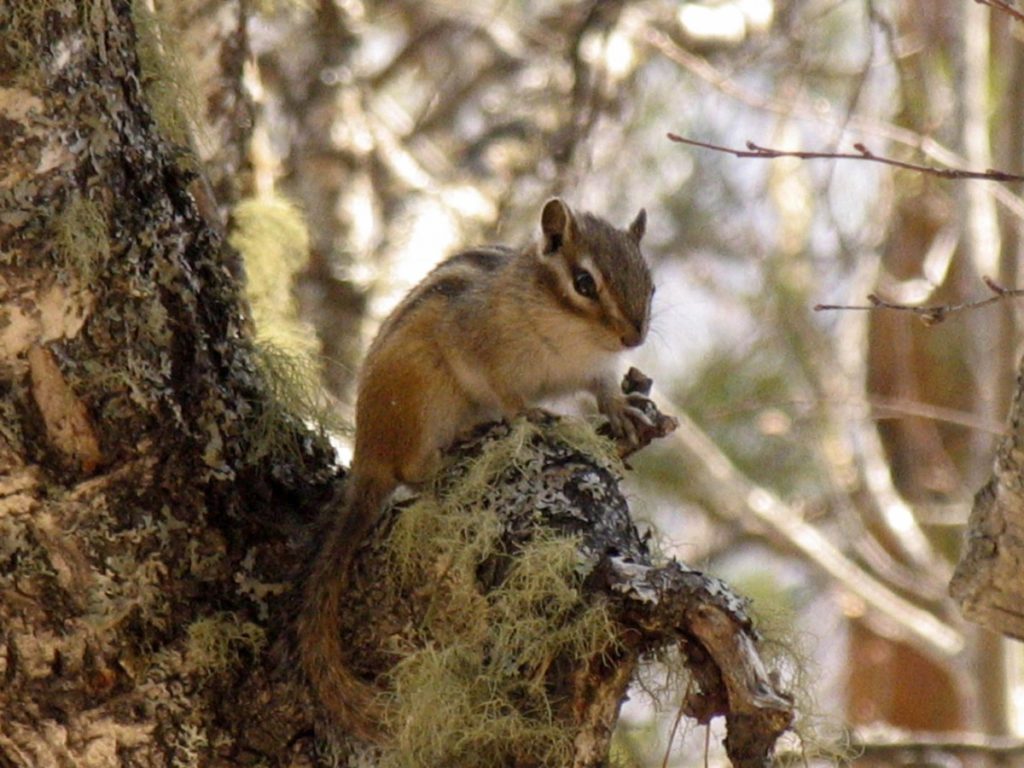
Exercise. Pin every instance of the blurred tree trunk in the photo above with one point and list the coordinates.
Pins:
(924, 260)
(989, 592)
(304, 69)
(951, 238)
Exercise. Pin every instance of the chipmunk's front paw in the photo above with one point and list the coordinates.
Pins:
(626, 417)
(634, 420)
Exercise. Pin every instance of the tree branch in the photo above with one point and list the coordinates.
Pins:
(490, 530)
(728, 492)
(935, 314)
(862, 153)
(889, 742)
(915, 556)
(999, 5)
(703, 69)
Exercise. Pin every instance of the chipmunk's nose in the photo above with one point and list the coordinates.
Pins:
(633, 337)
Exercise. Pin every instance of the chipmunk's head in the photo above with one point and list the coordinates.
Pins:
(597, 272)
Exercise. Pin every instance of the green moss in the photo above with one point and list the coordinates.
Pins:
(462, 715)
(271, 7)
(271, 236)
(293, 402)
(167, 77)
(82, 238)
(222, 642)
(581, 436)
(477, 693)
(535, 616)
(24, 26)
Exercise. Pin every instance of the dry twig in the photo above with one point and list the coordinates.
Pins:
(703, 69)
(888, 743)
(862, 153)
(999, 5)
(932, 315)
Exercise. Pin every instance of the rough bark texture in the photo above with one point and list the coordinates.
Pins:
(987, 582)
(137, 479)
(215, 44)
(155, 498)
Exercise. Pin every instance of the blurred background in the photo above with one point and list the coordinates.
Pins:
(827, 460)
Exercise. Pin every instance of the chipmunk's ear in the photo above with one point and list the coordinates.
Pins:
(558, 225)
(639, 226)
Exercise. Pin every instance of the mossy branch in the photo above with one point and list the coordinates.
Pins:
(506, 609)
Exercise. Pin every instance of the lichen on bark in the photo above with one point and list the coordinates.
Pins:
(504, 610)
(987, 581)
(115, 557)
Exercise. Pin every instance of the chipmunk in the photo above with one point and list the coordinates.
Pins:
(485, 335)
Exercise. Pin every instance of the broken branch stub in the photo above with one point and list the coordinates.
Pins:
(673, 603)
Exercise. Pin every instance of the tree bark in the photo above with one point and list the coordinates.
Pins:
(987, 581)
(140, 565)
(545, 491)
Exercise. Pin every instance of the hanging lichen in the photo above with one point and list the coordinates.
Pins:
(477, 691)
(271, 235)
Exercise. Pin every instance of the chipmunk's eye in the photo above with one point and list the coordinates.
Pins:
(584, 283)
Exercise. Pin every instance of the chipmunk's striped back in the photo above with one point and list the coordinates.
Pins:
(447, 281)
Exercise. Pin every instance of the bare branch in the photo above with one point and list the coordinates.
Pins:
(935, 314)
(881, 409)
(703, 69)
(725, 490)
(999, 5)
(885, 408)
(889, 742)
(862, 153)
(887, 510)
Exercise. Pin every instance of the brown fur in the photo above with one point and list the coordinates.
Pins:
(484, 335)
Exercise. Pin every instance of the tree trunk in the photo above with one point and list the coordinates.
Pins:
(145, 465)
(987, 581)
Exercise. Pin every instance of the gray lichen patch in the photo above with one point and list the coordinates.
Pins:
(222, 642)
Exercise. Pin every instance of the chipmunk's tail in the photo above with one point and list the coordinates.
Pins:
(352, 703)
